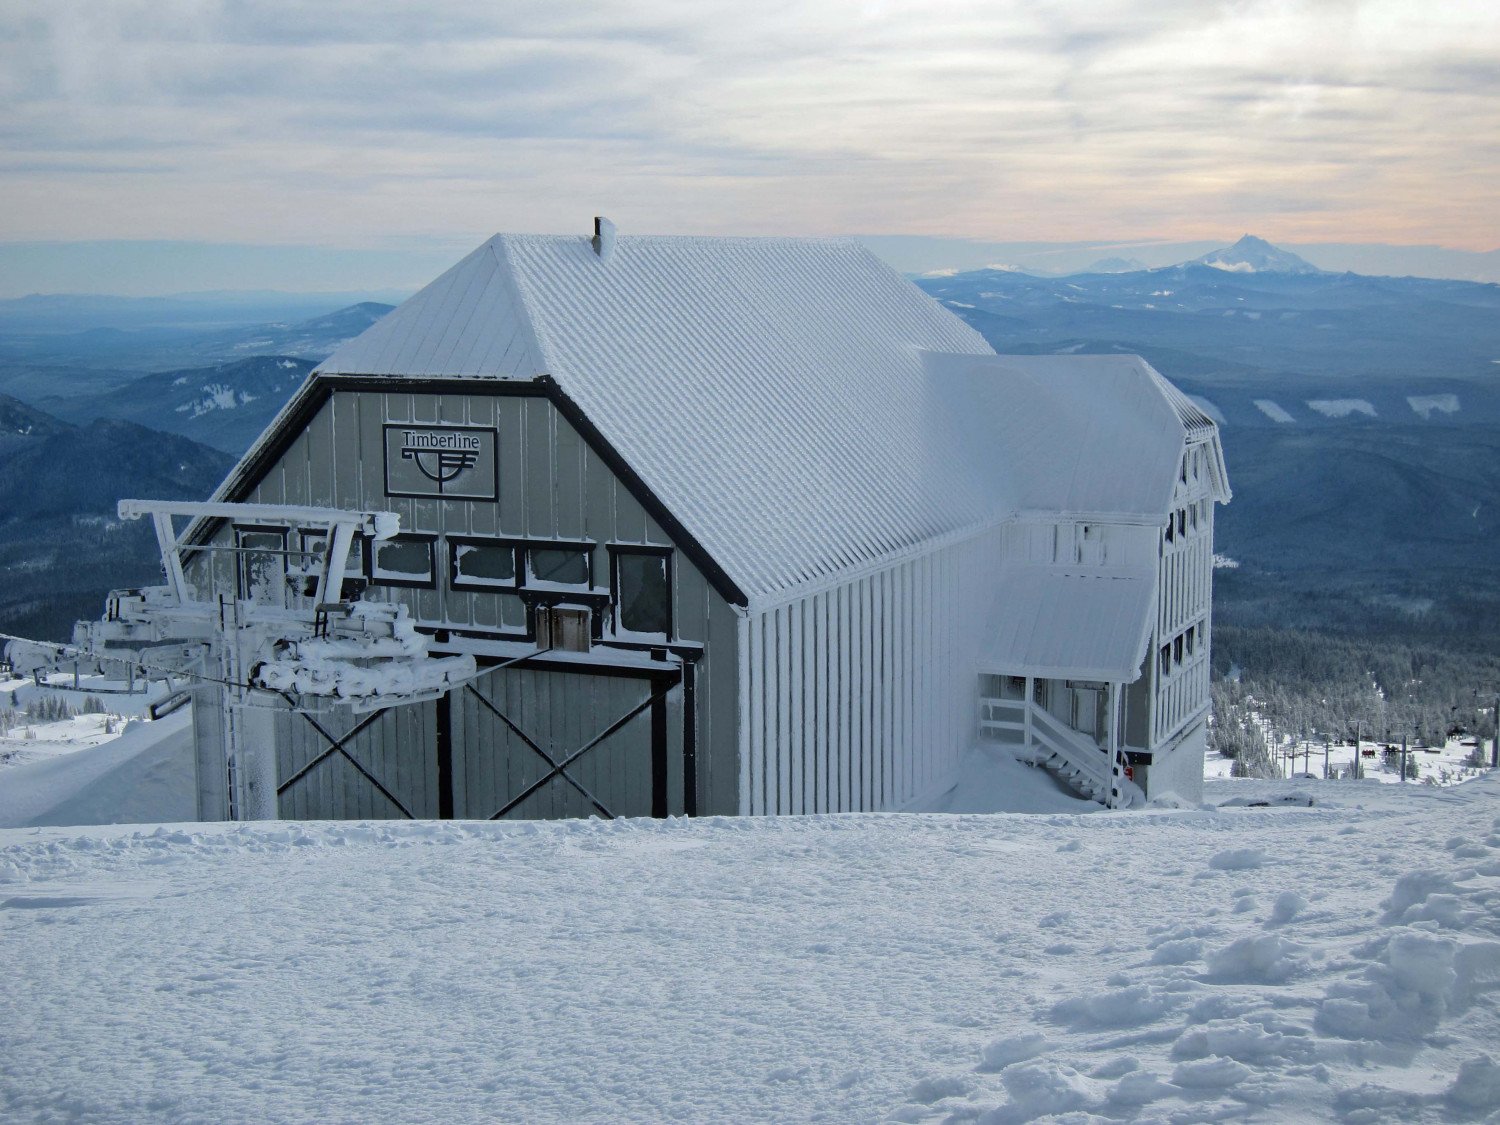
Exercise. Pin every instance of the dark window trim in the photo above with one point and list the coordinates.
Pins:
(262, 529)
(403, 583)
(584, 546)
(690, 651)
(356, 563)
(319, 388)
(618, 549)
(241, 592)
(477, 586)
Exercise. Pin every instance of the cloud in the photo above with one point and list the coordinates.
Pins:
(996, 119)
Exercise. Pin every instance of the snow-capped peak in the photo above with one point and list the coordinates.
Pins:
(1255, 255)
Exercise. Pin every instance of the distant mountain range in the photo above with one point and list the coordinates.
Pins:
(61, 547)
(922, 255)
(225, 406)
(1322, 326)
(1360, 416)
(65, 336)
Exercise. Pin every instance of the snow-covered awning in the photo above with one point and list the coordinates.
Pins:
(1081, 624)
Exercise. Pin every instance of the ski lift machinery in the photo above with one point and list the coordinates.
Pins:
(300, 644)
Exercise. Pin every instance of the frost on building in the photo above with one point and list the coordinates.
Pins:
(727, 526)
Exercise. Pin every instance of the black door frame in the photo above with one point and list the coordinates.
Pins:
(660, 683)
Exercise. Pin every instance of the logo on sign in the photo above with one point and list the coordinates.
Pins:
(440, 457)
(455, 462)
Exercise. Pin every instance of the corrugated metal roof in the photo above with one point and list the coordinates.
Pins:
(796, 404)
(769, 391)
(1074, 434)
(469, 322)
(1082, 624)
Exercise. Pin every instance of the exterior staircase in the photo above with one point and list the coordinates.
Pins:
(1050, 744)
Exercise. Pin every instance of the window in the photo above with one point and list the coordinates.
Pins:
(481, 565)
(261, 574)
(313, 546)
(1177, 649)
(558, 566)
(1192, 639)
(1090, 544)
(643, 591)
(406, 560)
(1166, 658)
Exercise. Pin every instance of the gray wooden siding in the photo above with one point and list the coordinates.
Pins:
(398, 749)
(552, 486)
(863, 696)
(562, 712)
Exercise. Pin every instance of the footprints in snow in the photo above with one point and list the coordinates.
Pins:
(1257, 1026)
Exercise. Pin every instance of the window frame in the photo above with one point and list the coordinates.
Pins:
(547, 585)
(241, 552)
(616, 608)
(483, 586)
(375, 579)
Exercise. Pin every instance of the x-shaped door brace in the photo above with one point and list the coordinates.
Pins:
(560, 768)
(337, 746)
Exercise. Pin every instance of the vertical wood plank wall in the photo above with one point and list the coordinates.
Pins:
(553, 486)
(1184, 597)
(863, 696)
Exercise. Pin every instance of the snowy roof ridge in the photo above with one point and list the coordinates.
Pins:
(1074, 435)
(466, 323)
(768, 353)
(799, 408)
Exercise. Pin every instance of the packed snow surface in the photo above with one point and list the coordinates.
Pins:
(145, 774)
(1426, 404)
(1341, 407)
(1273, 410)
(1278, 964)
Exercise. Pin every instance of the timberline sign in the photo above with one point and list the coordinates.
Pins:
(450, 462)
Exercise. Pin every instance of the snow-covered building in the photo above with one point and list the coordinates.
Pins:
(733, 526)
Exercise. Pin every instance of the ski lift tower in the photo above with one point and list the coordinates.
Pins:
(294, 635)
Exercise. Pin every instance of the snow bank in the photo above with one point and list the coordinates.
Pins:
(145, 775)
(991, 780)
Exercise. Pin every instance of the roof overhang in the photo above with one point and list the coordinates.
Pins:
(1080, 623)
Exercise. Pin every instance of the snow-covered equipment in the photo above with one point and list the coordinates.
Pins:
(268, 628)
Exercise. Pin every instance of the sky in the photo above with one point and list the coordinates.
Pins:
(388, 127)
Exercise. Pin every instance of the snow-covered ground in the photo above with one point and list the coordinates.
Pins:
(24, 740)
(1280, 964)
(1436, 765)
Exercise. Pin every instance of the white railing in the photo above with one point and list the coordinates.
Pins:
(1039, 729)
